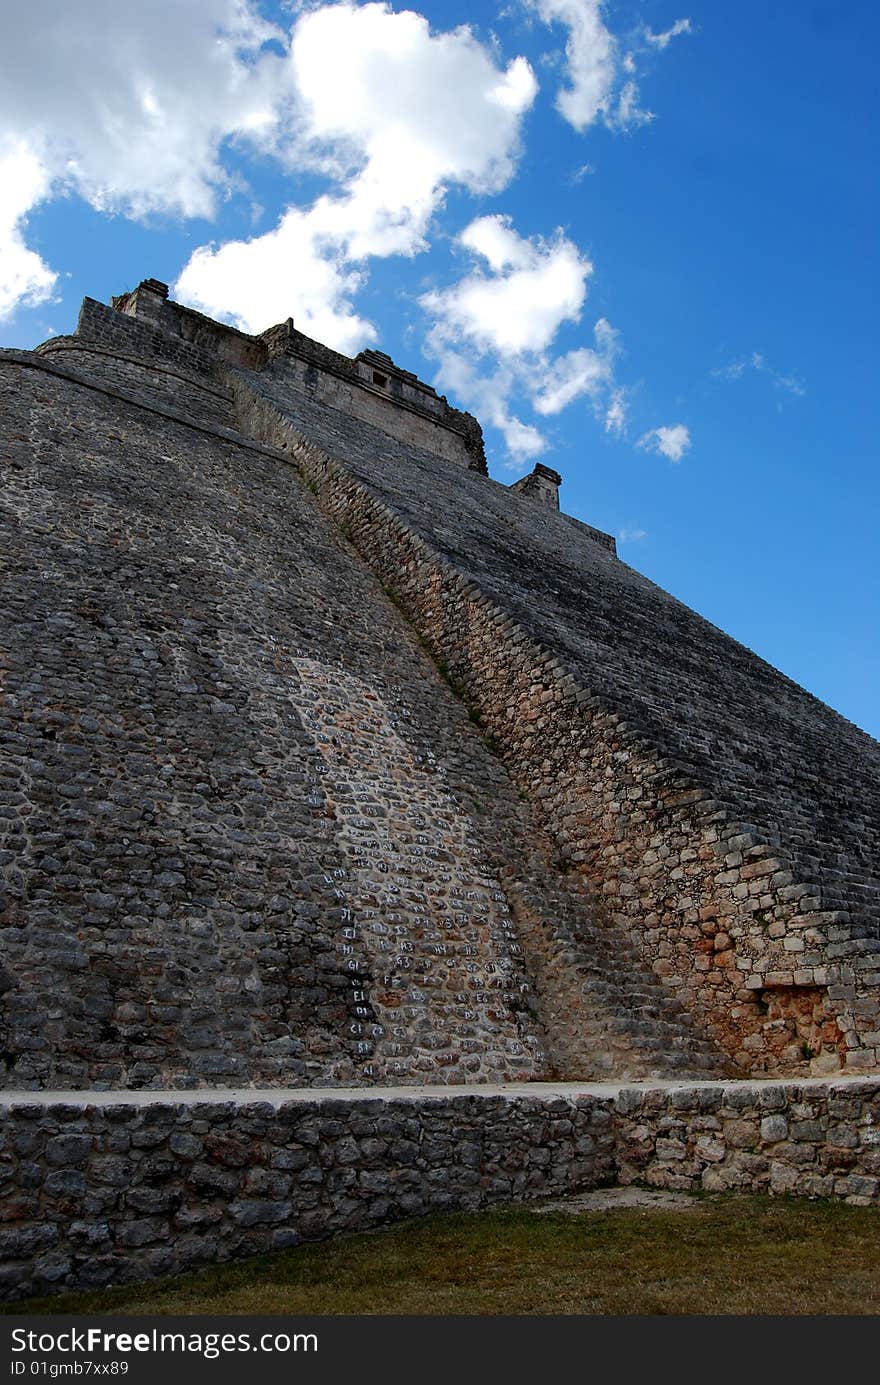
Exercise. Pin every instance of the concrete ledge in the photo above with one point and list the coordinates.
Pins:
(110, 1187)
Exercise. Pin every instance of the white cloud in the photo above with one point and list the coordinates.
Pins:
(734, 371)
(591, 58)
(601, 80)
(488, 393)
(754, 361)
(663, 40)
(493, 238)
(584, 171)
(669, 441)
(523, 439)
(535, 286)
(414, 109)
(583, 371)
(631, 535)
(24, 277)
(397, 114)
(615, 413)
(628, 111)
(252, 282)
(790, 383)
(133, 107)
(129, 104)
(493, 330)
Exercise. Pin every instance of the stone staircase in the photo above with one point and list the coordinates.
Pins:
(604, 1013)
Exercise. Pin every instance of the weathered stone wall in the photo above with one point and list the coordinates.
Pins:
(251, 833)
(105, 1194)
(383, 409)
(179, 331)
(372, 388)
(152, 339)
(110, 1190)
(197, 397)
(702, 837)
(247, 833)
(200, 882)
(805, 1139)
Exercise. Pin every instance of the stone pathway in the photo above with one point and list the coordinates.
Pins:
(278, 1096)
(610, 1199)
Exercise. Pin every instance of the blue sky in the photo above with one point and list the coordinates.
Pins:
(636, 239)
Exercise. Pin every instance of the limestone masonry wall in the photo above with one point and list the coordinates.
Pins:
(800, 1139)
(106, 1194)
(371, 387)
(170, 386)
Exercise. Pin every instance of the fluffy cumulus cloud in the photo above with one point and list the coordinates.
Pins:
(133, 107)
(414, 110)
(671, 441)
(149, 110)
(287, 272)
(24, 278)
(492, 332)
(399, 115)
(520, 299)
(128, 106)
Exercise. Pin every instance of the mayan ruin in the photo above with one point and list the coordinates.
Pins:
(338, 777)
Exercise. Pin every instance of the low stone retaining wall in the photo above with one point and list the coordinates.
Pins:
(105, 1188)
(135, 1185)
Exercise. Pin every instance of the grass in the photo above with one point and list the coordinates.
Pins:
(727, 1255)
